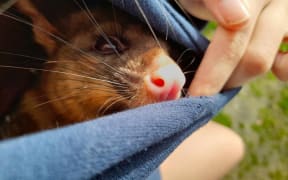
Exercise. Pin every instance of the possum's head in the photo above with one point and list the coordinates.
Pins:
(102, 61)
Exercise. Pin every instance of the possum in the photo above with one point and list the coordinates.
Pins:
(98, 60)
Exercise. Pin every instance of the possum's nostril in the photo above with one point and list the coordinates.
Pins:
(163, 79)
(165, 83)
(158, 81)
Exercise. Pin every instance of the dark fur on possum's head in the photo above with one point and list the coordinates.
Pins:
(84, 77)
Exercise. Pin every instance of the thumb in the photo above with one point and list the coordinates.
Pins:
(231, 14)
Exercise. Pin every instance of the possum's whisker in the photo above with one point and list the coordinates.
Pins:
(18, 19)
(109, 103)
(116, 27)
(89, 65)
(100, 109)
(97, 25)
(23, 55)
(190, 63)
(166, 18)
(147, 22)
(60, 72)
(44, 61)
(113, 103)
(189, 72)
(70, 90)
(58, 99)
(73, 70)
(184, 92)
(33, 58)
(54, 100)
(95, 83)
(180, 58)
(73, 93)
(92, 64)
(168, 23)
(36, 59)
(64, 66)
(118, 31)
(187, 15)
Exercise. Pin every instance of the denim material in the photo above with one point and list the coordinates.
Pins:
(125, 145)
(165, 19)
(156, 175)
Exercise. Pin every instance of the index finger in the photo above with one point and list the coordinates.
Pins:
(223, 55)
(220, 60)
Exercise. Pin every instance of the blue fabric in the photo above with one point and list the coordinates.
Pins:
(155, 175)
(126, 145)
(163, 17)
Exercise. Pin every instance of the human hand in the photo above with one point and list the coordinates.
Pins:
(245, 44)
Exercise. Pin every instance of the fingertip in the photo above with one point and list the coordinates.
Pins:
(236, 26)
(202, 89)
(231, 14)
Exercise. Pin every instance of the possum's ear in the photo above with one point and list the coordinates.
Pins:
(43, 30)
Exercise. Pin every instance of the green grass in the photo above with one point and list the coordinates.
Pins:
(284, 47)
(224, 119)
(259, 114)
(209, 29)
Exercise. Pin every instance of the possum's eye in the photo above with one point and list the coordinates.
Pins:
(110, 45)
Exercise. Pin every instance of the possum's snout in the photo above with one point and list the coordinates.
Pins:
(166, 79)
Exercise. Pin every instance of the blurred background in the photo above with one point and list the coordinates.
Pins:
(259, 114)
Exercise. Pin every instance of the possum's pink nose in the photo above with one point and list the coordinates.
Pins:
(166, 81)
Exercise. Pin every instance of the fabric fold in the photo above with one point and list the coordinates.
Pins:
(125, 145)
(165, 19)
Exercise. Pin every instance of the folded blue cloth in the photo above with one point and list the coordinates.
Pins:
(164, 18)
(126, 145)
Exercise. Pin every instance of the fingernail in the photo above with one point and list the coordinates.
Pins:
(233, 11)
